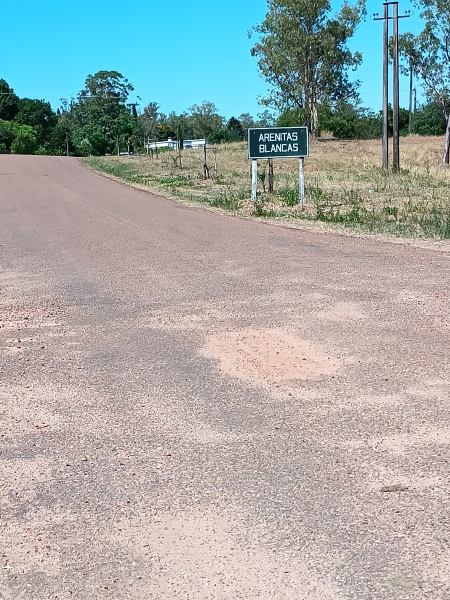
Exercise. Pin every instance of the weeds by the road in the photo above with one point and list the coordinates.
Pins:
(345, 185)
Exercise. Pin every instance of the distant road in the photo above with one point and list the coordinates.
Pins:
(197, 406)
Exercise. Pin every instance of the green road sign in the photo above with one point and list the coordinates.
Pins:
(278, 142)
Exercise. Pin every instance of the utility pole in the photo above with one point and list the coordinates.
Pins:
(410, 97)
(395, 104)
(385, 141)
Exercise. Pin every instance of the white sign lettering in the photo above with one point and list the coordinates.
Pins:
(284, 136)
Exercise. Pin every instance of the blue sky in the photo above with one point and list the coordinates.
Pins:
(177, 53)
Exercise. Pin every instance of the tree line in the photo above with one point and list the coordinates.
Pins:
(103, 120)
(303, 53)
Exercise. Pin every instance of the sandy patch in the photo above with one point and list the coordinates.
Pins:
(11, 350)
(24, 410)
(401, 443)
(380, 477)
(191, 429)
(29, 549)
(434, 306)
(191, 317)
(436, 576)
(19, 478)
(269, 356)
(432, 389)
(368, 400)
(198, 555)
(342, 312)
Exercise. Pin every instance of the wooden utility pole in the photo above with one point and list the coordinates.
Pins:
(385, 141)
(395, 104)
(410, 98)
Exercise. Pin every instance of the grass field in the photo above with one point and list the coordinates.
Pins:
(344, 184)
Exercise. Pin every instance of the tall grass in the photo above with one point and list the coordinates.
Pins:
(345, 184)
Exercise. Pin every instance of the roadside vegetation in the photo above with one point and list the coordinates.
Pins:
(345, 185)
(303, 50)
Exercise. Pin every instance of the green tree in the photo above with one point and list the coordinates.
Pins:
(61, 135)
(429, 119)
(303, 54)
(164, 132)
(221, 136)
(25, 140)
(235, 128)
(101, 117)
(346, 121)
(265, 119)
(292, 117)
(108, 84)
(9, 102)
(247, 122)
(148, 119)
(204, 119)
(180, 121)
(429, 56)
(40, 116)
(7, 133)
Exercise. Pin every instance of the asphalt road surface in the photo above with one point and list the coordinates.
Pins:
(200, 407)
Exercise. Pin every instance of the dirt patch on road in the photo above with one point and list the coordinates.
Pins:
(343, 312)
(199, 555)
(269, 356)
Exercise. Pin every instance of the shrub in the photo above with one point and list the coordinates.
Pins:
(24, 140)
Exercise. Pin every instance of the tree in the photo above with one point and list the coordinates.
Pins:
(429, 56)
(108, 84)
(6, 134)
(182, 122)
(247, 122)
(221, 136)
(205, 119)
(265, 119)
(292, 117)
(9, 102)
(429, 119)
(304, 56)
(40, 116)
(148, 120)
(101, 117)
(164, 132)
(349, 122)
(25, 140)
(235, 128)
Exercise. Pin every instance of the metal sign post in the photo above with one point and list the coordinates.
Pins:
(301, 181)
(278, 142)
(254, 179)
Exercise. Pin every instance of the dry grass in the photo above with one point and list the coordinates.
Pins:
(344, 184)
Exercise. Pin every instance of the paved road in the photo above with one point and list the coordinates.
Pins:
(196, 406)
